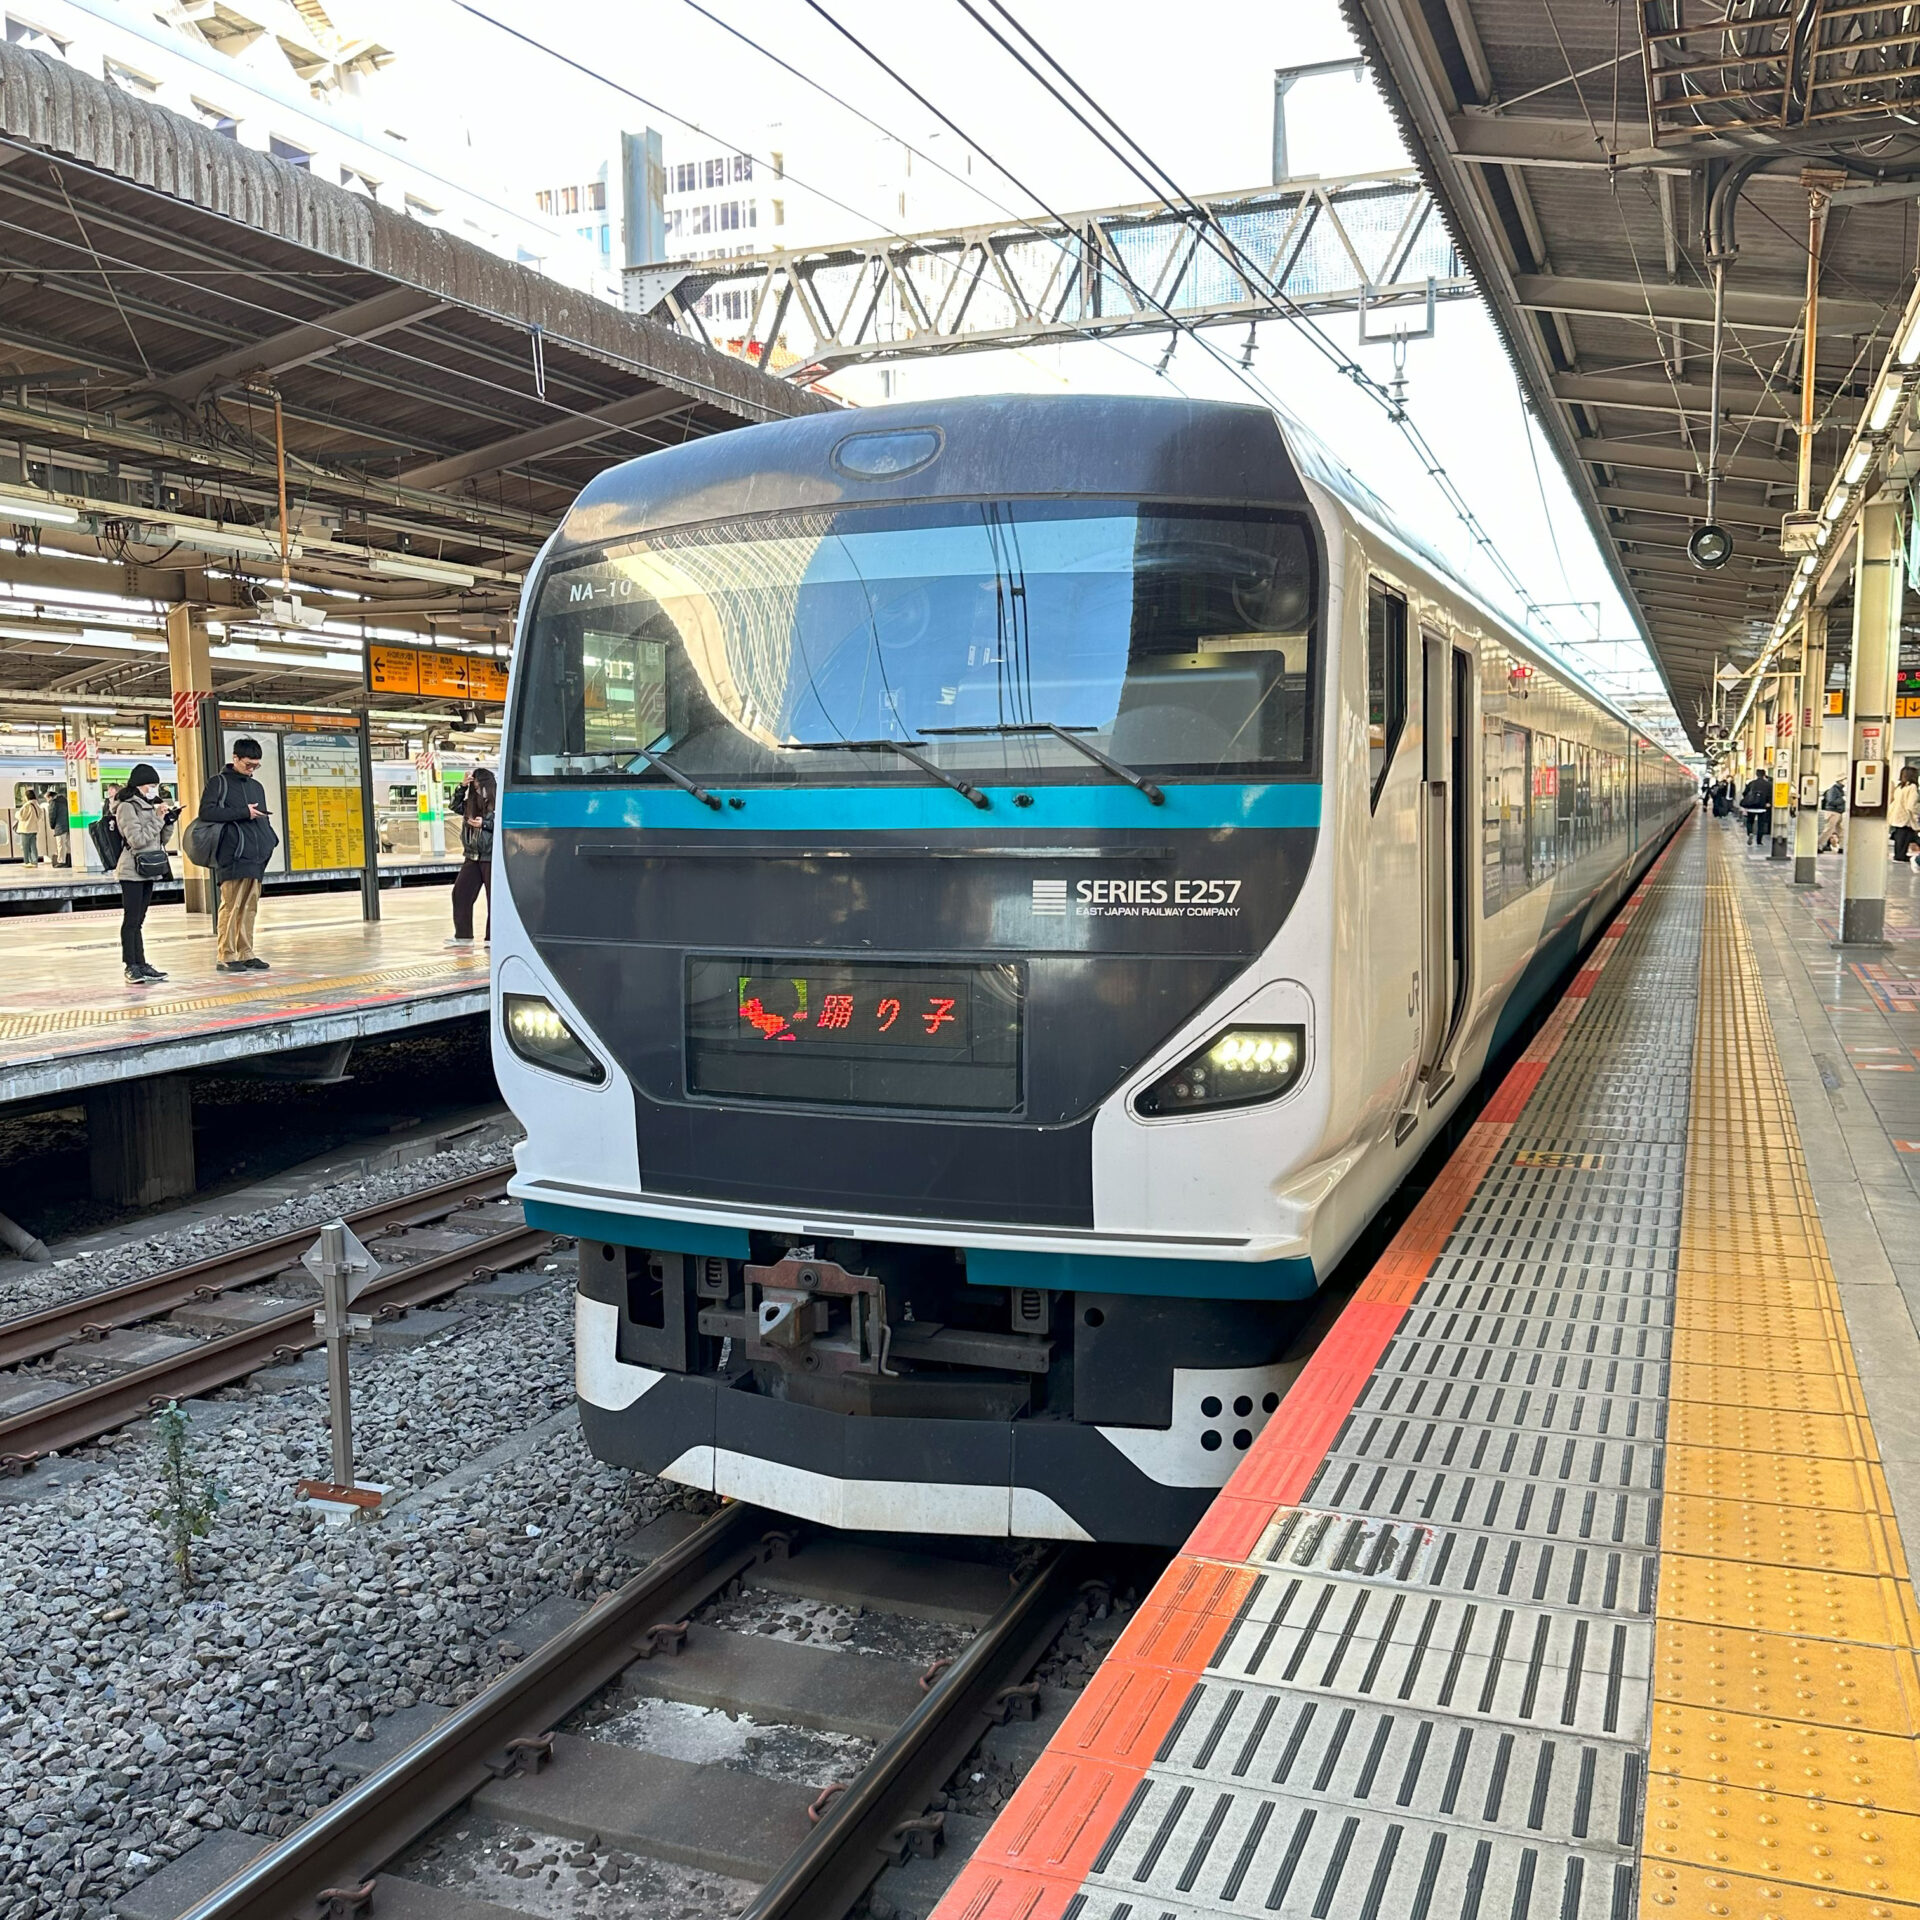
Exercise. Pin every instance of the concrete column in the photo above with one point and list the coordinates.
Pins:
(1813, 716)
(140, 1140)
(1876, 660)
(191, 670)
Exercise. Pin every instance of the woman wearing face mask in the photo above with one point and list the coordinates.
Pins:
(146, 825)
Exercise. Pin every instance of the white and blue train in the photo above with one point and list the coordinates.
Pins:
(995, 896)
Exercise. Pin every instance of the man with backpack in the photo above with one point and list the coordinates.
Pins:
(1833, 813)
(232, 835)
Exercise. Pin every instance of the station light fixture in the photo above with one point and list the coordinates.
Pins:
(1907, 351)
(537, 1033)
(234, 540)
(406, 566)
(1241, 1067)
(1836, 503)
(1858, 461)
(37, 506)
(1710, 546)
(1886, 399)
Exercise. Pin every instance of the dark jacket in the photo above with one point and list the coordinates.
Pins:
(1834, 800)
(1757, 794)
(246, 845)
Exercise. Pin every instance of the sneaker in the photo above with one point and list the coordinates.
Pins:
(255, 965)
(456, 941)
(135, 978)
(152, 973)
(229, 966)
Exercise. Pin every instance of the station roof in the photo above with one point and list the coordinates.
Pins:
(1574, 150)
(440, 404)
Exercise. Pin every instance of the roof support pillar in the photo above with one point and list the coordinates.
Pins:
(190, 668)
(1876, 660)
(1813, 716)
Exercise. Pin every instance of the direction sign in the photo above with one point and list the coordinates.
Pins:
(361, 1265)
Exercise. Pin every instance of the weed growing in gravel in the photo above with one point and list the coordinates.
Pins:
(188, 1501)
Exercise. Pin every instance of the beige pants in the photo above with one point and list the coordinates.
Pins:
(239, 903)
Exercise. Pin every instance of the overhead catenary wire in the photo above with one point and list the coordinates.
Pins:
(1145, 168)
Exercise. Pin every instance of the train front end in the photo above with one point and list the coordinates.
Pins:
(905, 968)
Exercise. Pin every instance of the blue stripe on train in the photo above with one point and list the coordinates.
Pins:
(913, 809)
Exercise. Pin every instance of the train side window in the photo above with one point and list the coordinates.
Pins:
(1386, 681)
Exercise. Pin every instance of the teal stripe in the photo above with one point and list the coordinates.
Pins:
(927, 809)
(1123, 1273)
(637, 1230)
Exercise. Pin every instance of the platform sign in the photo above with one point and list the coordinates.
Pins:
(83, 794)
(1837, 702)
(435, 673)
(321, 779)
(159, 732)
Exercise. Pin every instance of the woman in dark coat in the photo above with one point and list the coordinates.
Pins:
(476, 844)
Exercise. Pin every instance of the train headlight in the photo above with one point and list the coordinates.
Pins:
(538, 1034)
(1237, 1068)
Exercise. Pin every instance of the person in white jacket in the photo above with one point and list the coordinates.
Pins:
(1903, 816)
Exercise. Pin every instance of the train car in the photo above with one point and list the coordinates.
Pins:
(994, 897)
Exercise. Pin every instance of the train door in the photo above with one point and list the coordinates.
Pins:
(1446, 689)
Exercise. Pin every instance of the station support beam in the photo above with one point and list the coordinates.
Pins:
(190, 667)
(140, 1140)
(1813, 716)
(1876, 660)
(1786, 707)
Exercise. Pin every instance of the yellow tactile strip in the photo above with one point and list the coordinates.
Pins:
(1784, 1769)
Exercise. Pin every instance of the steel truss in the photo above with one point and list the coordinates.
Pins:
(1339, 245)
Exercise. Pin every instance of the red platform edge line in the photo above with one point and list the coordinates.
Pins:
(1044, 1843)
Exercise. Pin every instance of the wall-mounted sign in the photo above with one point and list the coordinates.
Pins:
(433, 673)
(1837, 700)
(159, 732)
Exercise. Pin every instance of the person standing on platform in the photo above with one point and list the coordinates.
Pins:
(1756, 802)
(146, 825)
(1833, 813)
(237, 803)
(1903, 814)
(475, 803)
(30, 822)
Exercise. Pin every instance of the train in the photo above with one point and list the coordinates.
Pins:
(992, 898)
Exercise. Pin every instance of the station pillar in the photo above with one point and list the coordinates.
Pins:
(190, 668)
(1786, 708)
(1876, 659)
(1813, 712)
(140, 1140)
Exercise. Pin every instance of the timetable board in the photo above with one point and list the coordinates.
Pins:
(321, 773)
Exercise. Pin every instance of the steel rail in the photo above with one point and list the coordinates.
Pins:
(29, 1335)
(88, 1412)
(859, 1832)
(501, 1728)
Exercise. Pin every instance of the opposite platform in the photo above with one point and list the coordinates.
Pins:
(1566, 1582)
(69, 1021)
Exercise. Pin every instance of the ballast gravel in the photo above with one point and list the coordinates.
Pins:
(27, 1287)
(133, 1720)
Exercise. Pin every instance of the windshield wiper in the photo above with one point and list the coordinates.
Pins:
(661, 764)
(904, 750)
(1073, 740)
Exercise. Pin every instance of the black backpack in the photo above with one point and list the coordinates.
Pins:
(105, 833)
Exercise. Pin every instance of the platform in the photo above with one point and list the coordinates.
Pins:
(69, 1022)
(1567, 1582)
(60, 889)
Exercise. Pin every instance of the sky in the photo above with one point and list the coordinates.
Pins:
(1193, 86)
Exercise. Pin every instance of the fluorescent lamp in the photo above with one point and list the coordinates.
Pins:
(1836, 503)
(43, 507)
(1908, 350)
(404, 566)
(1857, 464)
(1885, 399)
(252, 546)
(1808, 564)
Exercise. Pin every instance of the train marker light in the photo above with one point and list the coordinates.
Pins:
(1710, 546)
(1237, 1068)
(539, 1036)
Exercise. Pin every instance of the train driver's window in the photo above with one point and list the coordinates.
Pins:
(1386, 681)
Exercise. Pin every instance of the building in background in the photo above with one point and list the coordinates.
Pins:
(304, 81)
(615, 211)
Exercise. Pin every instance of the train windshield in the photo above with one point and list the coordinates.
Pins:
(1174, 639)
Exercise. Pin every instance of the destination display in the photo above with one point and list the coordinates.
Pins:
(433, 673)
(905, 1034)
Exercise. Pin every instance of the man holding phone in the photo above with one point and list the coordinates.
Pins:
(237, 802)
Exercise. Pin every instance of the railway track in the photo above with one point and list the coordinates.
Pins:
(29, 1336)
(91, 1410)
(504, 1750)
